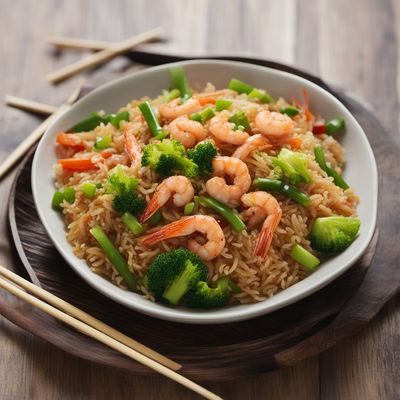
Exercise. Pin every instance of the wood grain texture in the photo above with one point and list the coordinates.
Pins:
(351, 44)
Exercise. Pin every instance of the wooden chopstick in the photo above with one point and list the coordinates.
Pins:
(30, 105)
(103, 55)
(103, 338)
(87, 318)
(76, 43)
(29, 141)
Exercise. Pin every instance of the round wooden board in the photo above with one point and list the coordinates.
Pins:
(215, 352)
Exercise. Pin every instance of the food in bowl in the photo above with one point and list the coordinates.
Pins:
(205, 198)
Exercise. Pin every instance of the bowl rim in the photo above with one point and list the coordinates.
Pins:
(225, 314)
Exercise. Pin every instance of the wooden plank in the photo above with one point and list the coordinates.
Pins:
(364, 367)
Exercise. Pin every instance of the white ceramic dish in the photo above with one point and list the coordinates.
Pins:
(361, 173)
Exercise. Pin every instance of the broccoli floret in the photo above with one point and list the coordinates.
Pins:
(126, 198)
(204, 296)
(169, 157)
(331, 235)
(292, 165)
(203, 155)
(172, 274)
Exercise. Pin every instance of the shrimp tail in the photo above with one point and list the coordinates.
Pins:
(266, 234)
(263, 242)
(174, 229)
(150, 210)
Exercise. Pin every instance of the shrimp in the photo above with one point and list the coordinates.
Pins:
(255, 142)
(178, 187)
(222, 129)
(263, 206)
(173, 109)
(238, 171)
(132, 147)
(188, 132)
(274, 125)
(206, 225)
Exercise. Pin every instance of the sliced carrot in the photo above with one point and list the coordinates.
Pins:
(295, 142)
(70, 140)
(77, 164)
(206, 100)
(107, 153)
(84, 164)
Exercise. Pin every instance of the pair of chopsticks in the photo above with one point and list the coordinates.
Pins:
(92, 327)
(30, 140)
(107, 51)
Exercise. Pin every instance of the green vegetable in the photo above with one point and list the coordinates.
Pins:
(126, 199)
(320, 159)
(203, 116)
(331, 235)
(132, 223)
(260, 95)
(89, 189)
(115, 119)
(180, 82)
(152, 121)
(155, 218)
(203, 155)
(95, 119)
(228, 213)
(335, 125)
(204, 296)
(114, 256)
(171, 95)
(239, 86)
(189, 208)
(304, 257)
(240, 120)
(102, 143)
(56, 201)
(253, 93)
(293, 165)
(69, 195)
(173, 273)
(291, 111)
(169, 157)
(275, 185)
(89, 123)
(222, 104)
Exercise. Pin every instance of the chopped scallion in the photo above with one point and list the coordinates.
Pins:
(89, 189)
(132, 223)
(304, 257)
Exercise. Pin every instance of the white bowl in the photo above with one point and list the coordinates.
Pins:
(360, 173)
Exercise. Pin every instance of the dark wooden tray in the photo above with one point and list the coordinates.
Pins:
(216, 352)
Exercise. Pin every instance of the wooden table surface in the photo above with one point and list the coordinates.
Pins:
(353, 45)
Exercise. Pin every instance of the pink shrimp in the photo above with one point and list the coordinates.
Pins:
(263, 207)
(173, 109)
(238, 171)
(188, 132)
(274, 125)
(132, 147)
(178, 187)
(207, 226)
(255, 142)
(222, 129)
